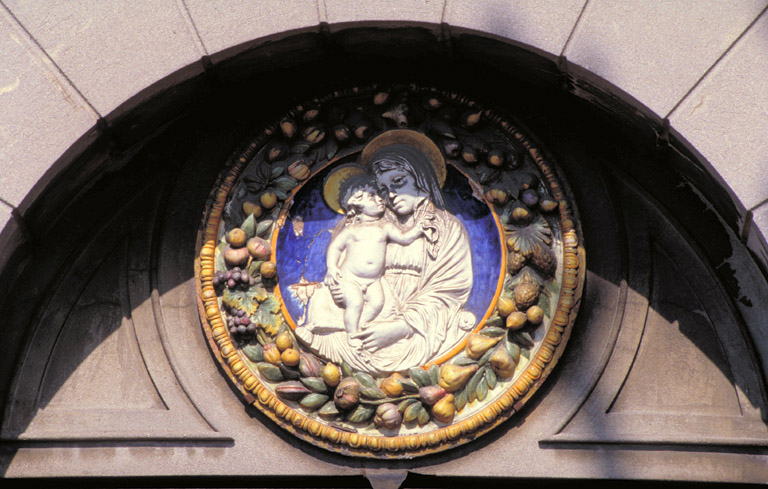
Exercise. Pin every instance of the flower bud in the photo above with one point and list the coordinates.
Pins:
(431, 394)
(347, 393)
(309, 366)
(387, 416)
(291, 391)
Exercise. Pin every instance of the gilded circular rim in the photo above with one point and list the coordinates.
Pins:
(404, 446)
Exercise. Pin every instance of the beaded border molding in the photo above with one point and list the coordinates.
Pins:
(290, 153)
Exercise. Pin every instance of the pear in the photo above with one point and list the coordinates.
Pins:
(454, 377)
(478, 344)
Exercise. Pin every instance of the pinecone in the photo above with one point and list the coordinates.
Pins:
(526, 295)
(515, 262)
(544, 261)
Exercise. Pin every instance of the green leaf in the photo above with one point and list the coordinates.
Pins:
(281, 194)
(525, 352)
(490, 378)
(460, 400)
(221, 265)
(513, 349)
(524, 239)
(249, 226)
(264, 229)
(361, 414)
(314, 384)
(255, 353)
(412, 412)
(270, 372)
(313, 401)
(331, 148)
(364, 379)
(404, 405)
(420, 376)
(372, 393)
(434, 374)
(545, 304)
(329, 409)
(486, 356)
(473, 383)
(265, 320)
(409, 386)
(286, 184)
(271, 304)
(492, 332)
(423, 417)
(482, 391)
(276, 171)
(346, 370)
(495, 321)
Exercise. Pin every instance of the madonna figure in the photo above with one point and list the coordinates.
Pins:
(426, 281)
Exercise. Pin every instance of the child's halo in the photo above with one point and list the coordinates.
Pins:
(334, 182)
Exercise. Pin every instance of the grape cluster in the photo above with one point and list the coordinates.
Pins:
(239, 323)
(233, 279)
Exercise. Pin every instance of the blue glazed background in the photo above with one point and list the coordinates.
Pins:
(297, 255)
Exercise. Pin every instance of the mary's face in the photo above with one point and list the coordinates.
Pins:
(400, 190)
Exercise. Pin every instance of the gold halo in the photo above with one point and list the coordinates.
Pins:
(411, 138)
(335, 180)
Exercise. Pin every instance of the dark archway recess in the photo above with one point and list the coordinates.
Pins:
(661, 289)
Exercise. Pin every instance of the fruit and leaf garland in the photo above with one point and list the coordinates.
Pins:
(307, 139)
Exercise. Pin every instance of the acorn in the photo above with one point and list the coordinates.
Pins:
(259, 248)
(502, 363)
(288, 127)
(311, 114)
(276, 150)
(298, 170)
(236, 238)
(251, 208)
(505, 306)
(271, 354)
(235, 257)
(478, 344)
(548, 205)
(331, 374)
(391, 386)
(387, 416)
(268, 199)
(431, 394)
(497, 196)
(431, 102)
(521, 214)
(496, 157)
(535, 315)
(313, 134)
(454, 377)
(445, 409)
(526, 295)
(470, 156)
(362, 130)
(347, 393)
(380, 98)
(290, 357)
(516, 320)
(470, 117)
(268, 269)
(341, 133)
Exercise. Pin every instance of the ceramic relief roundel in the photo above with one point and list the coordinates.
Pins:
(389, 271)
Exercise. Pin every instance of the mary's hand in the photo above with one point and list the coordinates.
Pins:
(383, 334)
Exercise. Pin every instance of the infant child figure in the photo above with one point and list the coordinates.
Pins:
(355, 278)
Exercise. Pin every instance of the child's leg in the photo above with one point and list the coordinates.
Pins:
(353, 303)
(374, 302)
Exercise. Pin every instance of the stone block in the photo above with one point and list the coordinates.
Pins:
(226, 24)
(542, 25)
(41, 115)
(726, 117)
(656, 51)
(340, 12)
(112, 51)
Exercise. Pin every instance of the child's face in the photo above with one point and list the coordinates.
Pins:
(369, 203)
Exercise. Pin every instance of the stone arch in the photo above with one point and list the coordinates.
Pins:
(106, 122)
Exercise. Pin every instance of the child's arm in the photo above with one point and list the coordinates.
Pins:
(404, 238)
(335, 249)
